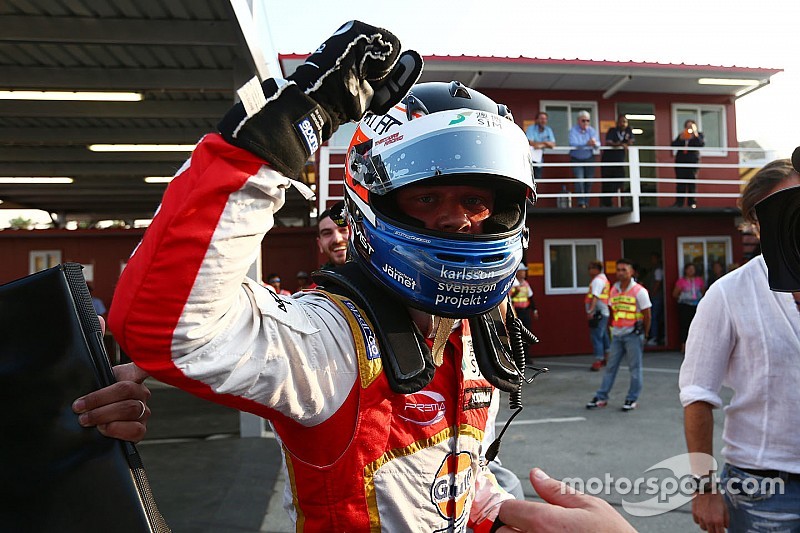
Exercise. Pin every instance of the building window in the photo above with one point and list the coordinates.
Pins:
(710, 121)
(566, 264)
(42, 259)
(562, 115)
(704, 252)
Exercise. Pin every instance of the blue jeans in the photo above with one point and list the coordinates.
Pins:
(657, 316)
(755, 507)
(630, 345)
(584, 175)
(600, 340)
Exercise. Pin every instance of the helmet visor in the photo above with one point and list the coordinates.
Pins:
(482, 143)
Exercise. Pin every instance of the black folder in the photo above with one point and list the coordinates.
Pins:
(54, 474)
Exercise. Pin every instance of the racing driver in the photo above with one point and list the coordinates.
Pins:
(371, 382)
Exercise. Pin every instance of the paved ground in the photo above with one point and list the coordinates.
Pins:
(207, 479)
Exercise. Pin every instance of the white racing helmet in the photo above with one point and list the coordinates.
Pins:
(443, 134)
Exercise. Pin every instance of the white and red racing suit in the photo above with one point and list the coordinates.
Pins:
(358, 456)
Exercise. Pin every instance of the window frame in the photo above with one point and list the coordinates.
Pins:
(46, 255)
(704, 239)
(564, 148)
(714, 151)
(575, 289)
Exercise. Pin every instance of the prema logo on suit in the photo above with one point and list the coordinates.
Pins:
(423, 408)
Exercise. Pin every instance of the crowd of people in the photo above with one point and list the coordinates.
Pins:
(368, 345)
(584, 142)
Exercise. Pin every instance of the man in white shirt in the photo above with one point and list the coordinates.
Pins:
(746, 337)
(597, 313)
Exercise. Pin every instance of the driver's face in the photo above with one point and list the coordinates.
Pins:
(448, 208)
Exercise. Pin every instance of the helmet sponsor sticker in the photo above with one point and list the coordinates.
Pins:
(461, 288)
(380, 124)
(488, 120)
(467, 275)
(412, 237)
(360, 239)
(423, 408)
(400, 277)
(393, 138)
(451, 488)
(460, 301)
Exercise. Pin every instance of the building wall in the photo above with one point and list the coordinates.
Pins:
(562, 323)
(105, 250)
(285, 251)
(562, 314)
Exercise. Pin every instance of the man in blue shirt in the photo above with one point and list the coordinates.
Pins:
(583, 139)
(540, 136)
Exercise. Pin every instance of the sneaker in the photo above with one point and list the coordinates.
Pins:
(630, 405)
(597, 365)
(596, 402)
(651, 342)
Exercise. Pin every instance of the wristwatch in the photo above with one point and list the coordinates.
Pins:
(705, 483)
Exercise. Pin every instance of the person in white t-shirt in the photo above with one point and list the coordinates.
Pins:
(746, 337)
(597, 313)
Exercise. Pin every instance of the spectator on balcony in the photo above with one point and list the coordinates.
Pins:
(618, 139)
(583, 139)
(540, 137)
(690, 137)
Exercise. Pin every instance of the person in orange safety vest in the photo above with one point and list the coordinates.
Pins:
(630, 319)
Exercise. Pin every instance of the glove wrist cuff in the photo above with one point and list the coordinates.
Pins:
(285, 132)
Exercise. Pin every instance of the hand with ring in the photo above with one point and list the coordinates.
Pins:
(119, 410)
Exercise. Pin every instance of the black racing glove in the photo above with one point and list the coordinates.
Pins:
(358, 69)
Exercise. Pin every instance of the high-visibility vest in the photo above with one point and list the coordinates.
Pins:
(624, 311)
(519, 295)
(603, 295)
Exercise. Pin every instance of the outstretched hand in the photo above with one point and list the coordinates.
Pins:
(120, 410)
(566, 510)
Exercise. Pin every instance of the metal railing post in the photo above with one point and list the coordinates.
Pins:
(324, 177)
(634, 171)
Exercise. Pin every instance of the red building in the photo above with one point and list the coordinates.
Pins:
(657, 99)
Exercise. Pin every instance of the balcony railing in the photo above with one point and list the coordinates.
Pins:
(649, 179)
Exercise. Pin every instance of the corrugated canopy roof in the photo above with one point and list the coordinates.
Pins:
(576, 74)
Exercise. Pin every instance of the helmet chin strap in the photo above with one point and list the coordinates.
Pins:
(443, 329)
